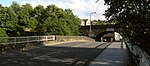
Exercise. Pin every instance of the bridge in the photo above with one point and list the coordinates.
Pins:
(66, 51)
(98, 31)
(72, 50)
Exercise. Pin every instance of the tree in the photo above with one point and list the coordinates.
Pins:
(47, 20)
(27, 21)
(39, 13)
(15, 7)
(19, 20)
(56, 21)
(73, 22)
(133, 16)
(2, 33)
(8, 20)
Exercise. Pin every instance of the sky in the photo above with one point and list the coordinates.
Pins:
(81, 8)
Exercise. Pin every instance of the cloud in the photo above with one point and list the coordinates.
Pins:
(98, 7)
(81, 8)
(33, 3)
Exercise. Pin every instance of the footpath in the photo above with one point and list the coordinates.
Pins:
(115, 54)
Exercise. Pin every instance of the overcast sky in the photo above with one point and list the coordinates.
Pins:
(81, 8)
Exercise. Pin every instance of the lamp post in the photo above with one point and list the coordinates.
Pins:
(91, 23)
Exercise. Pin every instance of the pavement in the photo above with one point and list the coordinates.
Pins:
(65, 54)
(114, 55)
(69, 54)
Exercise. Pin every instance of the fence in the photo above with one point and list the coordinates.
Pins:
(142, 58)
(15, 40)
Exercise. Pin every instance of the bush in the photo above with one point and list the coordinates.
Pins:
(2, 35)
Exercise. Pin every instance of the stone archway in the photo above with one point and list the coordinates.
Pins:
(100, 35)
(116, 36)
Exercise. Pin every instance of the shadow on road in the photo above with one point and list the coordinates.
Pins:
(51, 56)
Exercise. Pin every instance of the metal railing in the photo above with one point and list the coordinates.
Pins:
(142, 58)
(15, 40)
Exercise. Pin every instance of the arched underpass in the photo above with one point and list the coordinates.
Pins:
(101, 36)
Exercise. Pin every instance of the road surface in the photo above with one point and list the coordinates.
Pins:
(66, 54)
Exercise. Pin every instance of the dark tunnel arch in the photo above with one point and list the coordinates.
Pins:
(98, 36)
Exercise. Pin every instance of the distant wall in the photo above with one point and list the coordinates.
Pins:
(70, 39)
(74, 38)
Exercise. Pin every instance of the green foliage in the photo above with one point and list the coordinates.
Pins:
(19, 20)
(100, 22)
(134, 18)
(56, 21)
(39, 13)
(3, 34)
(73, 22)
(25, 17)
(8, 20)
(103, 22)
(15, 7)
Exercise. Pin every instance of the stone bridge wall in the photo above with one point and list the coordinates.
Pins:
(73, 38)
(70, 39)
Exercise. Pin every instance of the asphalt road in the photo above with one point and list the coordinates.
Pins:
(67, 54)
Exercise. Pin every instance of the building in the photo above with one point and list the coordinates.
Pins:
(86, 22)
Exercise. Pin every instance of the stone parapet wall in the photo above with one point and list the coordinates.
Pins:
(73, 38)
(62, 39)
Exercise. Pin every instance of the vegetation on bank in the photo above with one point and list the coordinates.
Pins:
(104, 22)
(134, 18)
(25, 20)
